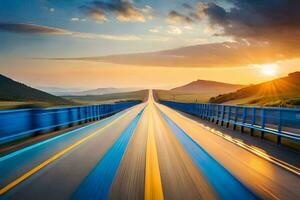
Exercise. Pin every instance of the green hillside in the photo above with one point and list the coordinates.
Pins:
(282, 92)
(13, 93)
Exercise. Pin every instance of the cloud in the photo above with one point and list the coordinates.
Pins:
(174, 30)
(31, 29)
(276, 22)
(22, 28)
(75, 19)
(106, 36)
(262, 31)
(177, 18)
(154, 30)
(124, 10)
(227, 54)
(187, 6)
(149, 11)
(94, 13)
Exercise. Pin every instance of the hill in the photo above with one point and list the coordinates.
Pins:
(204, 86)
(284, 92)
(197, 91)
(13, 91)
(109, 98)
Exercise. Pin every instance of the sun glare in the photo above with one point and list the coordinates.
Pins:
(269, 69)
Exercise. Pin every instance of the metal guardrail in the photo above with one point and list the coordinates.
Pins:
(282, 122)
(16, 124)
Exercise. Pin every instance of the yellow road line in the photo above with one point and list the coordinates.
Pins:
(153, 185)
(55, 157)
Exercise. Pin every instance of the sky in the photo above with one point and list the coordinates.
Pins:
(147, 43)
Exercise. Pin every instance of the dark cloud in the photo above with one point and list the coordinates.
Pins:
(187, 6)
(123, 9)
(264, 31)
(30, 29)
(274, 21)
(176, 18)
(22, 28)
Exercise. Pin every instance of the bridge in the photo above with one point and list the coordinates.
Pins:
(142, 151)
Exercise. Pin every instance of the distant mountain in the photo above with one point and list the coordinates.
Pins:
(60, 91)
(101, 91)
(80, 92)
(208, 87)
(279, 92)
(11, 90)
(111, 97)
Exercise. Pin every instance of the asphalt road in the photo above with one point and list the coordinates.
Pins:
(146, 152)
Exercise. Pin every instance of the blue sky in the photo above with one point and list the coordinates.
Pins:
(57, 43)
(68, 15)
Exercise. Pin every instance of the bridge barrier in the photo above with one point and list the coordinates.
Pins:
(282, 122)
(16, 124)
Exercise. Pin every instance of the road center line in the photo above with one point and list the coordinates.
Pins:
(153, 185)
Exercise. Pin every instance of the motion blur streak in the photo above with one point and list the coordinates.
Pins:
(50, 160)
(149, 151)
(97, 184)
(153, 186)
(220, 177)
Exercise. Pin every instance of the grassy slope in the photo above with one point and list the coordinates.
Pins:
(283, 92)
(109, 98)
(170, 95)
(14, 94)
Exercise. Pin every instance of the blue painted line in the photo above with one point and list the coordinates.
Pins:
(224, 183)
(102, 122)
(97, 184)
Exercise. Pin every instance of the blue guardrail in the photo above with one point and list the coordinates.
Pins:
(282, 122)
(16, 124)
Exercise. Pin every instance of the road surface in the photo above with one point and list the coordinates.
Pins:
(146, 152)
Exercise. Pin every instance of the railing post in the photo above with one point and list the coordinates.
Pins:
(200, 110)
(86, 114)
(279, 127)
(70, 117)
(98, 112)
(56, 119)
(263, 121)
(253, 111)
(93, 112)
(243, 118)
(217, 120)
(229, 116)
(208, 112)
(79, 115)
(236, 112)
(34, 119)
(223, 115)
(213, 113)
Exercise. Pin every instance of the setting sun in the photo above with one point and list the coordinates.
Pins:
(269, 69)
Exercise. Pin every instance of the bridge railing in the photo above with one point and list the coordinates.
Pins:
(16, 124)
(282, 122)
